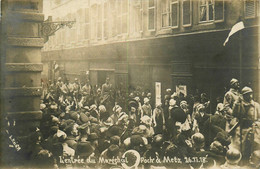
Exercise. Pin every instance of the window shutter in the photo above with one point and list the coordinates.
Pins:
(249, 8)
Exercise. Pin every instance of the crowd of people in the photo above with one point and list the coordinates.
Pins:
(85, 122)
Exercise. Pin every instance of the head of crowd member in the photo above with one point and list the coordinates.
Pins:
(233, 156)
(107, 80)
(123, 120)
(172, 102)
(131, 95)
(72, 130)
(203, 98)
(201, 109)
(132, 110)
(216, 147)
(178, 127)
(137, 99)
(115, 140)
(117, 109)
(184, 105)
(234, 84)
(198, 141)
(146, 120)
(76, 80)
(59, 79)
(84, 150)
(149, 96)
(99, 91)
(220, 109)
(255, 159)
(146, 101)
(168, 91)
(93, 138)
(157, 141)
(247, 93)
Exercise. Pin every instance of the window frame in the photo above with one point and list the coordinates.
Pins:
(125, 13)
(99, 21)
(93, 22)
(149, 8)
(87, 24)
(105, 19)
(178, 14)
(168, 12)
(214, 12)
(187, 25)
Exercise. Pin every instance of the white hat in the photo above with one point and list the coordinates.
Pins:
(146, 100)
(172, 102)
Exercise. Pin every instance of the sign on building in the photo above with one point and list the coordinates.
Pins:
(181, 89)
(158, 96)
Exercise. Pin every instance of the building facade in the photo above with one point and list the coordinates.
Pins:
(139, 42)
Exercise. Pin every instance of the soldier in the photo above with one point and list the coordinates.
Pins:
(86, 89)
(230, 97)
(76, 88)
(248, 113)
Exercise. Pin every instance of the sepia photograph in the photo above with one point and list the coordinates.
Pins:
(130, 84)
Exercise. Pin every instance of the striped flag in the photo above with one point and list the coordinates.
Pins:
(237, 27)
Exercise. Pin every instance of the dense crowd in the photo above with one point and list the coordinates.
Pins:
(86, 122)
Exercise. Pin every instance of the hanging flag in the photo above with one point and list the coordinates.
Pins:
(237, 27)
(56, 66)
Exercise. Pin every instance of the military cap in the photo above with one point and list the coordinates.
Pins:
(246, 90)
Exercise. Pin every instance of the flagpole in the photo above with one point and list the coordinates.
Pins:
(240, 77)
(240, 57)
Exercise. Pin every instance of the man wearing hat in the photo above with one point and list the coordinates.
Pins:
(248, 113)
(232, 95)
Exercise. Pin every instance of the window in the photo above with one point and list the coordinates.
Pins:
(87, 27)
(151, 15)
(99, 22)
(73, 31)
(105, 26)
(137, 15)
(211, 10)
(174, 13)
(80, 21)
(124, 16)
(251, 8)
(122, 13)
(141, 16)
(94, 21)
(165, 13)
(186, 12)
(112, 4)
(119, 16)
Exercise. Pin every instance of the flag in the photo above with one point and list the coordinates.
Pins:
(237, 27)
(56, 66)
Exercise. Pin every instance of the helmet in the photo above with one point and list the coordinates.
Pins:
(233, 156)
(146, 100)
(233, 81)
(246, 90)
(198, 139)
